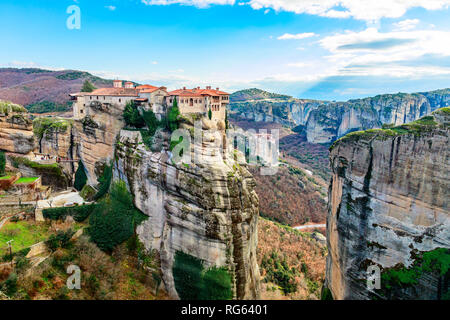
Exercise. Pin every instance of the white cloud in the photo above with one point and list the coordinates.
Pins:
(196, 3)
(111, 8)
(297, 64)
(298, 36)
(154, 62)
(406, 25)
(371, 52)
(358, 9)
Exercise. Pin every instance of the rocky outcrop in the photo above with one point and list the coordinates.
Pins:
(291, 112)
(94, 138)
(16, 133)
(330, 122)
(388, 207)
(208, 210)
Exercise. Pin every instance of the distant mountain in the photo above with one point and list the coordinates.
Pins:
(262, 106)
(44, 90)
(256, 94)
(324, 121)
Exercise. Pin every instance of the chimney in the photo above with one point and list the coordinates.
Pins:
(217, 89)
(184, 88)
(117, 83)
(198, 88)
(208, 87)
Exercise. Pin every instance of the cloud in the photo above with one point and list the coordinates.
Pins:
(298, 36)
(358, 9)
(370, 52)
(297, 64)
(196, 3)
(111, 8)
(154, 62)
(406, 25)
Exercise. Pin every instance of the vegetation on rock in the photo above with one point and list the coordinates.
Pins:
(192, 282)
(114, 218)
(80, 177)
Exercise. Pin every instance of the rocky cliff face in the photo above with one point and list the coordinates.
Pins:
(388, 206)
(291, 112)
(330, 122)
(16, 133)
(207, 210)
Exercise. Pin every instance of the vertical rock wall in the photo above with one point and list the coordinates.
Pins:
(388, 204)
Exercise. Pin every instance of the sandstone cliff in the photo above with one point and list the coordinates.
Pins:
(388, 206)
(208, 210)
(16, 129)
(261, 106)
(330, 122)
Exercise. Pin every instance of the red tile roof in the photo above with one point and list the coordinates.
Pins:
(197, 92)
(145, 86)
(129, 92)
(150, 90)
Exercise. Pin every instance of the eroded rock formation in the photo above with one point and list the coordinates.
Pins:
(332, 121)
(208, 210)
(388, 206)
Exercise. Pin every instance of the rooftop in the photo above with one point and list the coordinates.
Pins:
(128, 92)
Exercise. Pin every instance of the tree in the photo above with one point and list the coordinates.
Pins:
(174, 112)
(226, 119)
(209, 113)
(151, 121)
(132, 116)
(87, 86)
(2, 163)
(80, 177)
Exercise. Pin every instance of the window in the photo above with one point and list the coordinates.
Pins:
(120, 100)
(90, 97)
(104, 98)
(81, 111)
(97, 97)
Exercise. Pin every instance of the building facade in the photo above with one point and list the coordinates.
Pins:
(157, 98)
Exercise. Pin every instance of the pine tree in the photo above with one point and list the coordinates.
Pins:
(87, 86)
(210, 114)
(174, 112)
(80, 177)
(2, 163)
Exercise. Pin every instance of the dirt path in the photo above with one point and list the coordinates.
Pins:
(308, 226)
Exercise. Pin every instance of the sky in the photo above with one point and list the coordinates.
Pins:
(318, 49)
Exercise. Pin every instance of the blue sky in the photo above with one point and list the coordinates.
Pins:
(322, 49)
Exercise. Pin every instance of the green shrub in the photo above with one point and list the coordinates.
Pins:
(114, 218)
(151, 121)
(172, 118)
(80, 177)
(192, 282)
(79, 213)
(131, 115)
(59, 240)
(209, 114)
(278, 272)
(2, 163)
(87, 86)
(187, 274)
(88, 192)
(48, 106)
(104, 182)
(9, 286)
(216, 284)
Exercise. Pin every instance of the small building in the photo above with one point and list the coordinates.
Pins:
(201, 100)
